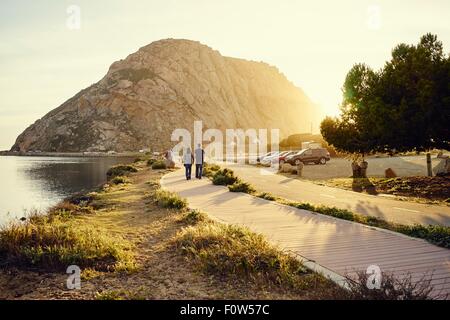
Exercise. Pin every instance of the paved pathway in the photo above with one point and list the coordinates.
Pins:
(378, 206)
(338, 245)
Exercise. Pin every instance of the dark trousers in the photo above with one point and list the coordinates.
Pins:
(198, 171)
(188, 171)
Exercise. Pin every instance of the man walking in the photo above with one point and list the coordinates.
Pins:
(188, 159)
(199, 158)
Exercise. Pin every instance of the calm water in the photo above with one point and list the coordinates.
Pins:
(29, 183)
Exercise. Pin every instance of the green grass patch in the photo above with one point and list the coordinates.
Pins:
(120, 180)
(167, 199)
(150, 162)
(265, 195)
(240, 186)
(120, 170)
(209, 169)
(157, 165)
(224, 177)
(193, 217)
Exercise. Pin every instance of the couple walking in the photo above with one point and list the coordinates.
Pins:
(188, 160)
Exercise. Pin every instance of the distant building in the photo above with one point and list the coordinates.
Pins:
(311, 145)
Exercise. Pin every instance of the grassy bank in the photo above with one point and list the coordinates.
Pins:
(134, 241)
(237, 254)
(438, 235)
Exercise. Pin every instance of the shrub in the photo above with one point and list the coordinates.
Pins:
(210, 169)
(266, 196)
(150, 162)
(392, 288)
(82, 198)
(158, 165)
(120, 170)
(52, 243)
(193, 217)
(224, 177)
(167, 199)
(438, 235)
(240, 186)
(120, 180)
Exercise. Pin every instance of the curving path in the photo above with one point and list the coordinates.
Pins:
(383, 207)
(335, 245)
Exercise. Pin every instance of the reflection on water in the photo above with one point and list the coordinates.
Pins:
(38, 182)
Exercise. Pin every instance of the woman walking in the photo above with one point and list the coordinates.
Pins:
(188, 159)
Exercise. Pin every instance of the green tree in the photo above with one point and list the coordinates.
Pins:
(402, 107)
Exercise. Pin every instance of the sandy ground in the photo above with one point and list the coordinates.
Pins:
(341, 168)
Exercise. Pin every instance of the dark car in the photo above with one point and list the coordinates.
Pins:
(282, 157)
(317, 155)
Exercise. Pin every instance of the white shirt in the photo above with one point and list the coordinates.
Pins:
(187, 158)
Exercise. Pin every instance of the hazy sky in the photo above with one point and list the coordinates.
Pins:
(43, 62)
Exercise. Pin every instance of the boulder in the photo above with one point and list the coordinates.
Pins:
(442, 168)
(441, 155)
(287, 168)
(389, 173)
(170, 164)
(300, 169)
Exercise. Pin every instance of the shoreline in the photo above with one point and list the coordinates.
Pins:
(71, 154)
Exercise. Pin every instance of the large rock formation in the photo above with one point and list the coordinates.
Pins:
(166, 85)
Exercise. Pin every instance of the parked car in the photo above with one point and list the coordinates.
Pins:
(269, 154)
(318, 155)
(273, 158)
(282, 158)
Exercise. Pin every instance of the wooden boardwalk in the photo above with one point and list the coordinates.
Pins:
(341, 246)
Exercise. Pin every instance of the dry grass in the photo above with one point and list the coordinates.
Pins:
(229, 251)
(392, 288)
(54, 244)
(168, 199)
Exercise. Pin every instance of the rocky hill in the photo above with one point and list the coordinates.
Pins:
(166, 85)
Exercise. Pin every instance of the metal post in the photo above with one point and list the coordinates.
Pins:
(430, 173)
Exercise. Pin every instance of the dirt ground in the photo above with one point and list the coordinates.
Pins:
(162, 273)
(422, 189)
(403, 166)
